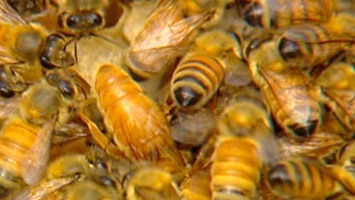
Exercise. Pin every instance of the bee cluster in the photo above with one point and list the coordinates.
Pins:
(176, 99)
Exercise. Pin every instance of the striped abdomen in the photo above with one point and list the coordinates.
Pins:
(280, 13)
(303, 180)
(195, 80)
(235, 169)
(16, 140)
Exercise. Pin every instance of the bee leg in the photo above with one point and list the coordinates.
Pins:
(101, 139)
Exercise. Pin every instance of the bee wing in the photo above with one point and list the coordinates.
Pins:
(42, 190)
(8, 106)
(237, 72)
(37, 157)
(154, 60)
(9, 16)
(342, 103)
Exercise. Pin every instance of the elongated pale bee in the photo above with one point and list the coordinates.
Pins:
(278, 13)
(165, 37)
(201, 71)
(86, 17)
(140, 130)
(308, 179)
(25, 137)
(338, 85)
(239, 153)
(152, 183)
(306, 45)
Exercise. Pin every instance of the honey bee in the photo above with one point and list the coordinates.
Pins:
(306, 45)
(291, 97)
(142, 135)
(277, 14)
(240, 151)
(164, 37)
(337, 83)
(308, 179)
(152, 183)
(33, 125)
(201, 71)
(80, 18)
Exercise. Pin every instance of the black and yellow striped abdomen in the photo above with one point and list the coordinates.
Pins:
(195, 80)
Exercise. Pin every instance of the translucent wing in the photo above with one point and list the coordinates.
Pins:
(9, 16)
(37, 157)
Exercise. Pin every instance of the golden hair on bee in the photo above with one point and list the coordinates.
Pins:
(140, 131)
(152, 183)
(22, 42)
(305, 178)
(165, 37)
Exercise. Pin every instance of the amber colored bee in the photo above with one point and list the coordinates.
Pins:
(140, 131)
(25, 137)
(338, 85)
(308, 179)
(201, 71)
(292, 98)
(306, 45)
(278, 13)
(164, 37)
(152, 183)
(87, 16)
(239, 154)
